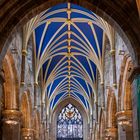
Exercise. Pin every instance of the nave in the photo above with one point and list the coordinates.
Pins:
(69, 70)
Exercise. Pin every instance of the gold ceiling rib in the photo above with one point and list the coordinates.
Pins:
(69, 48)
(86, 49)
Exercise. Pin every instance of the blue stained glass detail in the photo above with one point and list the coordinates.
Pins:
(69, 124)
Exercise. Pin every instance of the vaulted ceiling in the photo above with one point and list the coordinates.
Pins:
(69, 46)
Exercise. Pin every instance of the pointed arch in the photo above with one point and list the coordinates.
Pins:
(124, 92)
(26, 109)
(60, 106)
(111, 109)
(11, 89)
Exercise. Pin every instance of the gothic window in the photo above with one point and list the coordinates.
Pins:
(69, 124)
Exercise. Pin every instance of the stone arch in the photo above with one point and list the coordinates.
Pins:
(124, 92)
(111, 109)
(60, 106)
(11, 85)
(22, 12)
(102, 125)
(26, 109)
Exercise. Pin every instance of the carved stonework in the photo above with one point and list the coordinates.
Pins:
(111, 133)
(124, 119)
(27, 133)
(11, 125)
(11, 116)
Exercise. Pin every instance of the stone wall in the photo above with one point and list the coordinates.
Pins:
(121, 51)
(15, 48)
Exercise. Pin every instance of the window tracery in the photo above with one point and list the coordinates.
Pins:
(69, 124)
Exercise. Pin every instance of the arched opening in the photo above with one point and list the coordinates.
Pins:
(69, 124)
(27, 121)
(111, 129)
(11, 89)
(84, 132)
(124, 114)
(111, 109)
(66, 64)
(26, 109)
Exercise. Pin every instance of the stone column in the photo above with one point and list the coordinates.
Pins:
(47, 134)
(112, 52)
(24, 54)
(47, 128)
(96, 131)
(103, 96)
(27, 134)
(35, 95)
(2, 80)
(42, 131)
(11, 125)
(96, 111)
(10, 119)
(36, 135)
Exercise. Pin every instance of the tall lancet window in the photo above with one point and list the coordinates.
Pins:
(69, 124)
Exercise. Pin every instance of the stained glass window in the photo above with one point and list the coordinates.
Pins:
(69, 124)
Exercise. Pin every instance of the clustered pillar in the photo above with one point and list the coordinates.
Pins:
(11, 125)
(112, 52)
(11, 117)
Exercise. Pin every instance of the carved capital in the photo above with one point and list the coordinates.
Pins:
(110, 132)
(112, 52)
(36, 84)
(124, 119)
(11, 116)
(27, 133)
(24, 52)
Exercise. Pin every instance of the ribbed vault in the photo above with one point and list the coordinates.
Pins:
(69, 51)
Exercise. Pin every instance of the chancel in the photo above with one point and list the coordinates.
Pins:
(69, 70)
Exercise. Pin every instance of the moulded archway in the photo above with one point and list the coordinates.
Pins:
(124, 92)
(111, 126)
(58, 109)
(11, 89)
(125, 98)
(26, 109)
(21, 12)
(111, 109)
(27, 121)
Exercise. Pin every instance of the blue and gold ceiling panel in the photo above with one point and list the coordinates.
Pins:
(69, 52)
